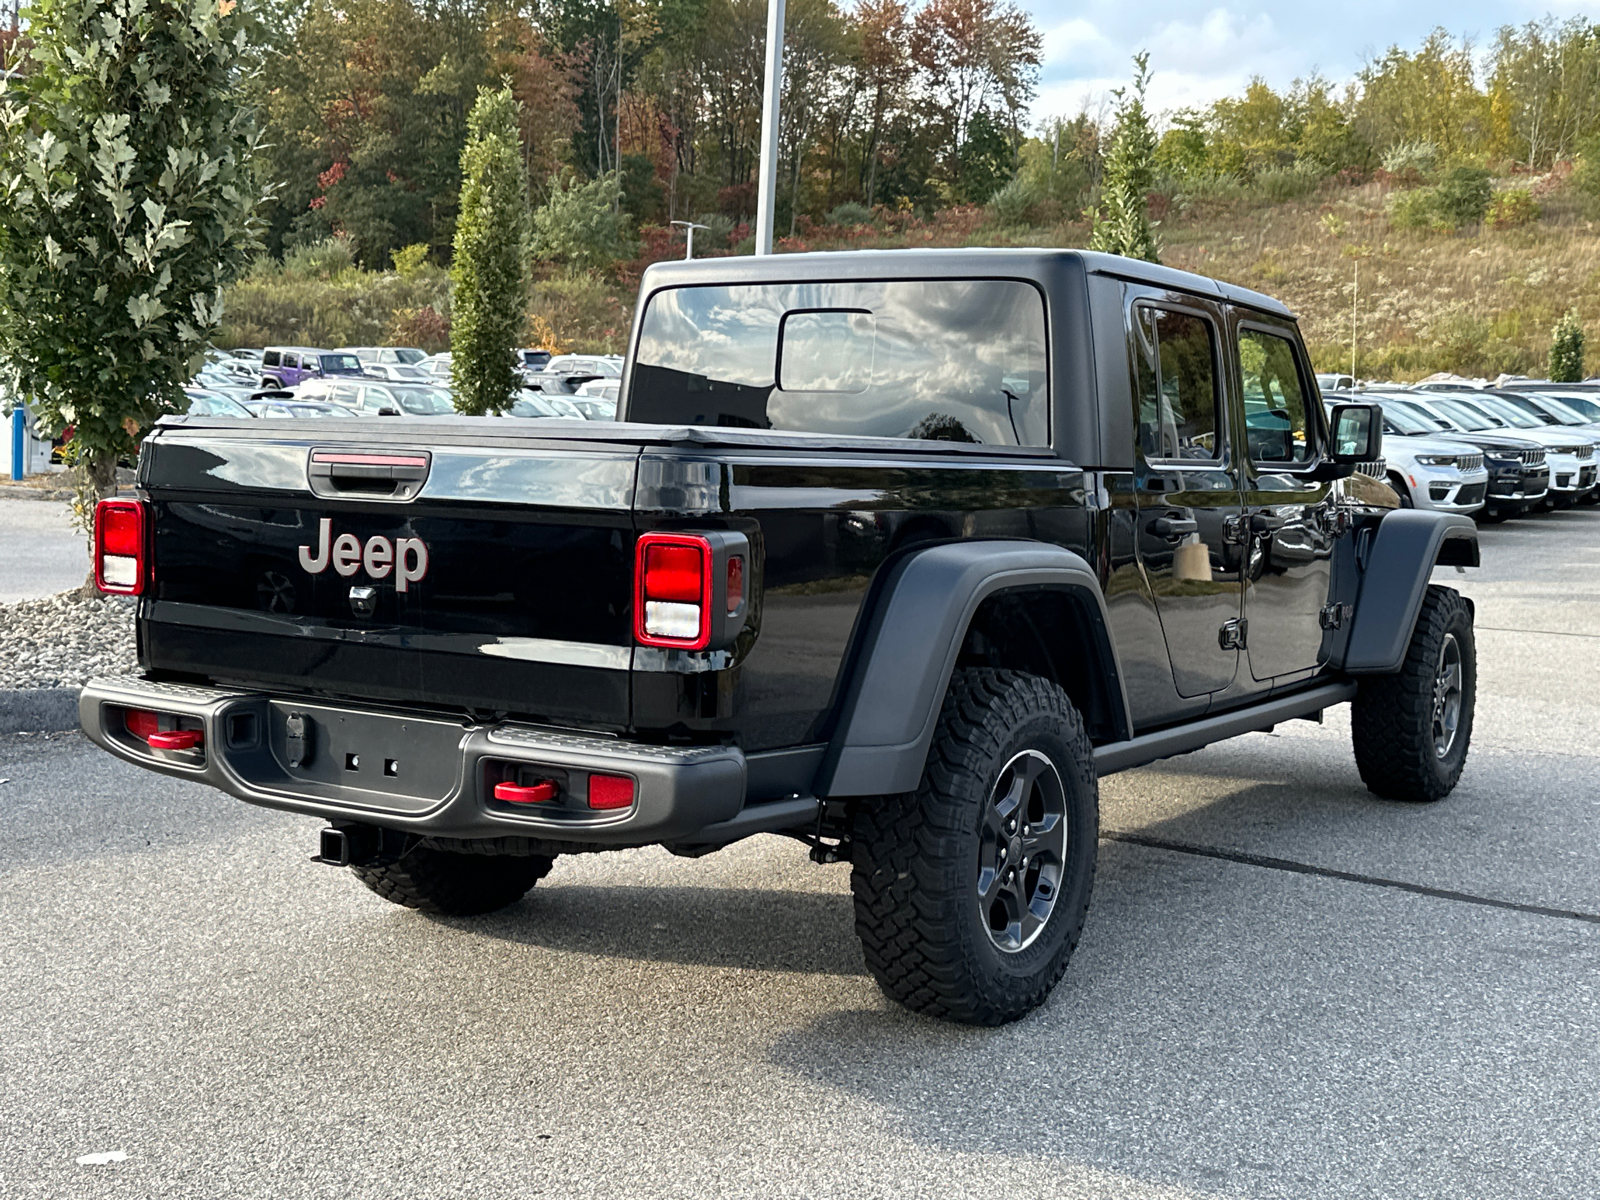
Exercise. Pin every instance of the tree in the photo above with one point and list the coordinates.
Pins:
(1566, 349)
(579, 224)
(490, 271)
(885, 70)
(975, 56)
(1122, 225)
(129, 205)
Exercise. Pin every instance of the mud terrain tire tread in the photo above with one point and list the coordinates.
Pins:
(453, 885)
(914, 856)
(1392, 717)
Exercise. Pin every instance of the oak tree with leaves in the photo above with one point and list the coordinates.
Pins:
(1122, 224)
(490, 270)
(127, 204)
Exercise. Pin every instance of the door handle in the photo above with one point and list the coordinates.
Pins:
(1266, 522)
(1173, 527)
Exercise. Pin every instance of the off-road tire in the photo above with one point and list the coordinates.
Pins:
(453, 885)
(915, 856)
(1392, 719)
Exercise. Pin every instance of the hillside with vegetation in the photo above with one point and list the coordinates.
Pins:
(1435, 213)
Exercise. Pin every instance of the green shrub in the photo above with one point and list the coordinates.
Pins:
(126, 151)
(850, 213)
(490, 267)
(1122, 223)
(320, 260)
(1513, 208)
(1566, 349)
(1279, 184)
(408, 260)
(1463, 196)
(1417, 208)
(580, 225)
(1410, 158)
(1585, 180)
(1014, 204)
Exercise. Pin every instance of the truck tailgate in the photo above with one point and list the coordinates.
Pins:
(323, 557)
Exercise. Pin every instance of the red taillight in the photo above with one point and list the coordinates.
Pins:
(735, 595)
(672, 572)
(534, 793)
(120, 547)
(610, 791)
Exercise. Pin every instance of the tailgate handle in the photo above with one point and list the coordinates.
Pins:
(370, 474)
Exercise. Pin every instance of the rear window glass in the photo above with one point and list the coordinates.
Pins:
(954, 359)
(340, 362)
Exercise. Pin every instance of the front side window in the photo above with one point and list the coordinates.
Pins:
(1274, 402)
(1177, 368)
(942, 359)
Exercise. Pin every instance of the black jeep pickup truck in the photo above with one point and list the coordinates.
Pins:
(893, 552)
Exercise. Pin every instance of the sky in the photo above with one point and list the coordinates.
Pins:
(1203, 51)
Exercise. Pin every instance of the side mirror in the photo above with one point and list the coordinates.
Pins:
(388, 412)
(1357, 433)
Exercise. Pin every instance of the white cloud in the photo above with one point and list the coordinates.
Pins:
(1200, 54)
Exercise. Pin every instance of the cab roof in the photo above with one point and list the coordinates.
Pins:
(1025, 261)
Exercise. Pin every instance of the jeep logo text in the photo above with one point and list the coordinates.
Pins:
(407, 557)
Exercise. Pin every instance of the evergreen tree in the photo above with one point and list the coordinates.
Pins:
(1122, 224)
(490, 270)
(1566, 349)
(128, 206)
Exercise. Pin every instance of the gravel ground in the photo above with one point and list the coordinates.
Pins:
(62, 641)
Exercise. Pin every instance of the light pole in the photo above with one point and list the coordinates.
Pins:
(768, 183)
(688, 228)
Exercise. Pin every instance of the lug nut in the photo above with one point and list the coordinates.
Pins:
(1002, 851)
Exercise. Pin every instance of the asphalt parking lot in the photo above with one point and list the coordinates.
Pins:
(1254, 1010)
(42, 553)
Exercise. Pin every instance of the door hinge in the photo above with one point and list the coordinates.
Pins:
(1233, 531)
(1232, 634)
(1335, 615)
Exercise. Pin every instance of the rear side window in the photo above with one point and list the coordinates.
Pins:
(1177, 363)
(269, 359)
(1274, 399)
(953, 359)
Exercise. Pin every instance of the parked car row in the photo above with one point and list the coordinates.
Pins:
(391, 381)
(1490, 452)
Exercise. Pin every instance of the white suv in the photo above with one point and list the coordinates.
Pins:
(1431, 472)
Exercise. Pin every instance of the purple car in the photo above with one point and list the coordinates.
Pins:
(287, 366)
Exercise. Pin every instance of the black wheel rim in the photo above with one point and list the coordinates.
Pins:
(1447, 685)
(1022, 851)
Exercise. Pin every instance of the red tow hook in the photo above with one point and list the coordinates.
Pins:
(177, 739)
(515, 793)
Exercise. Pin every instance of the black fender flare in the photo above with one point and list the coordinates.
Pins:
(912, 638)
(1396, 566)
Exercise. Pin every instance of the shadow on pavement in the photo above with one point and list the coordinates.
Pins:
(1228, 1027)
(748, 928)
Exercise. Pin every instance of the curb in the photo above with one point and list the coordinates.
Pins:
(38, 710)
(32, 493)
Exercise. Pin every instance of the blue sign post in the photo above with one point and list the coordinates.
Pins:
(19, 443)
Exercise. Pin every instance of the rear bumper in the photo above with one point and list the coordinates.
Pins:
(423, 773)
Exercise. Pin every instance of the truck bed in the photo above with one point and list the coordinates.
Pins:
(524, 608)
